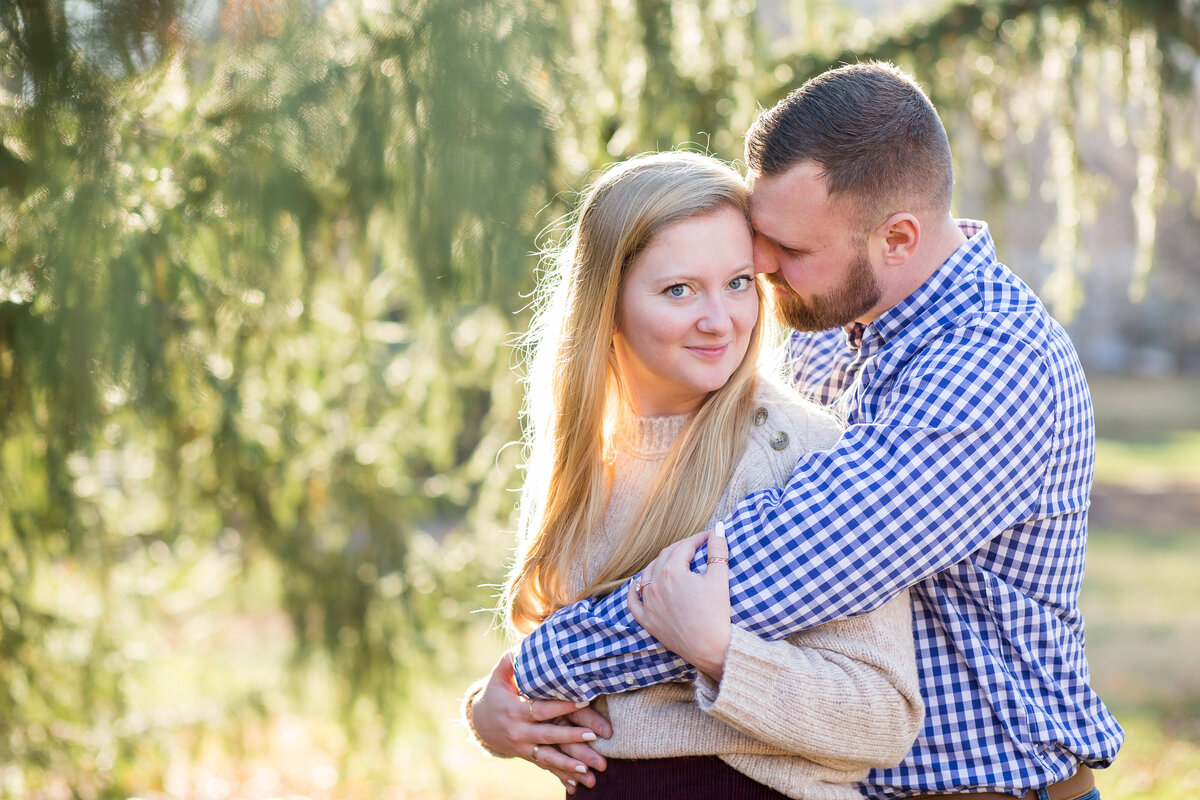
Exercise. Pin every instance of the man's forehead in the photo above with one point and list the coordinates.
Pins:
(806, 176)
(793, 207)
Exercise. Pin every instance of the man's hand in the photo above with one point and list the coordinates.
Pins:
(540, 731)
(686, 612)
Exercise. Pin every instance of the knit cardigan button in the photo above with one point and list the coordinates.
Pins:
(779, 440)
(760, 416)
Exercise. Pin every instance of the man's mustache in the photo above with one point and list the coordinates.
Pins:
(778, 282)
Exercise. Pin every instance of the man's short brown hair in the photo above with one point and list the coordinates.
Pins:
(872, 131)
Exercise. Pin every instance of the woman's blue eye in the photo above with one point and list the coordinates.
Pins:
(677, 290)
(740, 282)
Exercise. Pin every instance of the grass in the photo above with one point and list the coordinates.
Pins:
(1141, 601)
(1166, 462)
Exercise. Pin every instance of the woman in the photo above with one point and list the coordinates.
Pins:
(650, 422)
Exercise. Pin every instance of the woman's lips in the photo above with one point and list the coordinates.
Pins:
(713, 353)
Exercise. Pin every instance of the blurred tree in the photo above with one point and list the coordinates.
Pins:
(259, 265)
(254, 298)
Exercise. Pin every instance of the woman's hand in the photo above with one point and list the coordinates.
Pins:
(686, 612)
(539, 731)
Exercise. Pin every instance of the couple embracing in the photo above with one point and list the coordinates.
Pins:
(865, 583)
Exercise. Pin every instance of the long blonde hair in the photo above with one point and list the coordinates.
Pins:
(575, 394)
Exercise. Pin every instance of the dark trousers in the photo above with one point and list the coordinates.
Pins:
(688, 778)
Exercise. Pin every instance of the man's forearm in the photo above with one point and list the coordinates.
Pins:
(591, 648)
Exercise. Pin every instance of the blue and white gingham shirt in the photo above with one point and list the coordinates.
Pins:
(964, 473)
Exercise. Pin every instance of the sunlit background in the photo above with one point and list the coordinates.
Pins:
(261, 267)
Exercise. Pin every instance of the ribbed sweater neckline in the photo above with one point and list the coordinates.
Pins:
(649, 437)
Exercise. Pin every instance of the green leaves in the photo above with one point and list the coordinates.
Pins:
(254, 292)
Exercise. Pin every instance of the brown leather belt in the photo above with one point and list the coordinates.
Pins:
(1072, 788)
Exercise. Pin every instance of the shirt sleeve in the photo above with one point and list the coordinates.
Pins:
(955, 452)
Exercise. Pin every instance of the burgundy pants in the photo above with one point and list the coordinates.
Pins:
(689, 778)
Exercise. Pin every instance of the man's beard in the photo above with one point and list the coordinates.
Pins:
(846, 302)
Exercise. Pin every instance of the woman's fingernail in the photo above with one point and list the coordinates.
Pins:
(582, 705)
(571, 782)
(589, 737)
(580, 768)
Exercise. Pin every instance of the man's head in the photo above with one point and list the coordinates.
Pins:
(874, 134)
(833, 166)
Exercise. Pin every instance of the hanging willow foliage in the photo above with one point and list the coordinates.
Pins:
(255, 298)
(259, 270)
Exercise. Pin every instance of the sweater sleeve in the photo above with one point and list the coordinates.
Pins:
(844, 694)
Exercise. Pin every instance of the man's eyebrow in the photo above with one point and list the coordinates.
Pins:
(778, 243)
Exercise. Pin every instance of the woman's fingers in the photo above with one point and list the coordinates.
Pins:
(667, 578)
(552, 734)
(542, 710)
(573, 780)
(593, 720)
(688, 613)
(683, 551)
(512, 724)
(584, 754)
(718, 549)
(566, 769)
(634, 600)
(672, 553)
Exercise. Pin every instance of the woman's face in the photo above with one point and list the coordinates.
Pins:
(686, 311)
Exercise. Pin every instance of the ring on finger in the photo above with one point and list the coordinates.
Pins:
(532, 718)
(718, 560)
(534, 752)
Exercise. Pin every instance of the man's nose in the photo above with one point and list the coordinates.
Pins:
(764, 257)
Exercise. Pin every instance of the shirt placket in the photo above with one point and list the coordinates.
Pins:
(862, 342)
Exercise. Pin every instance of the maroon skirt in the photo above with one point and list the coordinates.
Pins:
(685, 778)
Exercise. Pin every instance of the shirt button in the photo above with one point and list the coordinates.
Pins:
(779, 440)
(628, 680)
(760, 416)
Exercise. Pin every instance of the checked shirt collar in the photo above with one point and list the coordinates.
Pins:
(937, 301)
(931, 308)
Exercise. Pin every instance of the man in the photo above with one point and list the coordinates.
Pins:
(964, 473)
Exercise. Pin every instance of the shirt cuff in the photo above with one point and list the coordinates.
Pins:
(537, 677)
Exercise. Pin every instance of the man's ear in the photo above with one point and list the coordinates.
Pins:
(897, 238)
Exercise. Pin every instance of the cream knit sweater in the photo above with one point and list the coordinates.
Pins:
(808, 715)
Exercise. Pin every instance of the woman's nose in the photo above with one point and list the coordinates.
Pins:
(716, 318)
